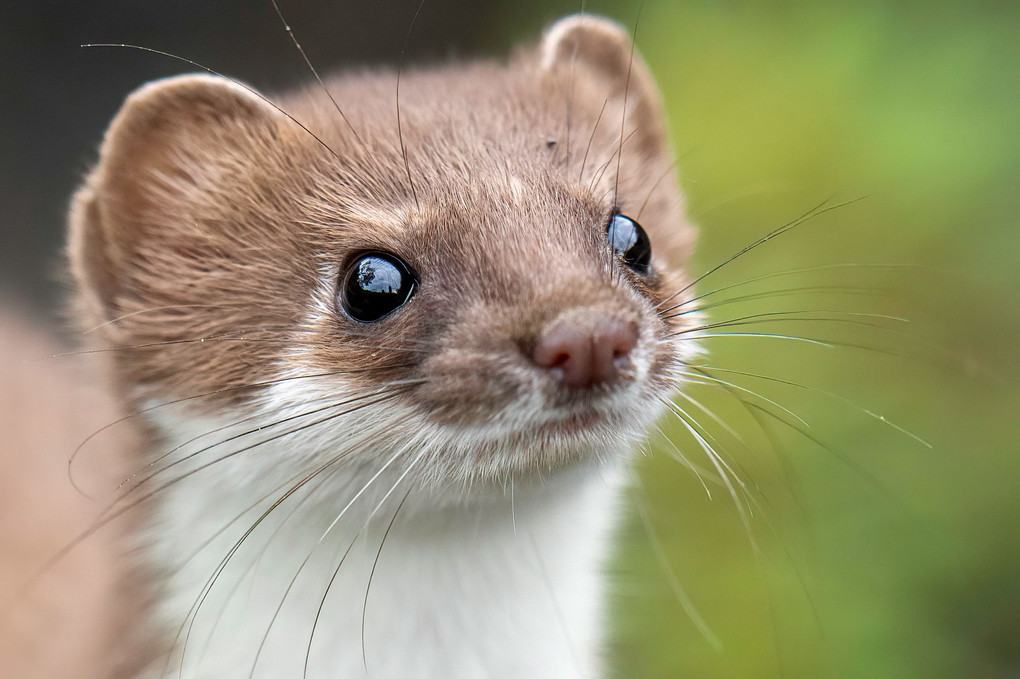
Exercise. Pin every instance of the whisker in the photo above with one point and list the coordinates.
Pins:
(793, 272)
(785, 475)
(591, 138)
(718, 444)
(733, 391)
(189, 619)
(755, 410)
(400, 131)
(720, 465)
(816, 211)
(752, 407)
(714, 417)
(329, 585)
(685, 461)
(311, 552)
(843, 458)
(293, 39)
(780, 292)
(795, 316)
(322, 602)
(371, 575)
(831, 344)
(605, 166)
(216, 73)
(355, 399)
(207, 394)
(251, 568)
(626, 94)
(818, 390)
(108, 517)
(679, 593)
(665, 173)
(570, 96)
(702, 376)
(150, 345)
(570, 93)
(793, 338)
(154, 310)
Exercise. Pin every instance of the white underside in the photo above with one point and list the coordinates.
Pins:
(509, 586)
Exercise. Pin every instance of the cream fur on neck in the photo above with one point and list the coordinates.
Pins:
(508, 586)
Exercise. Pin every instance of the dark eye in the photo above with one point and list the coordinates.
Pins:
(630, 243)
(376, 284)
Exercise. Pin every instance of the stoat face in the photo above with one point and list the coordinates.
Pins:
(478, 285)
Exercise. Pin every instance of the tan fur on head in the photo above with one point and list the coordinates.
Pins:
(161, 218)
(151, 162)
(214, 230)
(170, 137)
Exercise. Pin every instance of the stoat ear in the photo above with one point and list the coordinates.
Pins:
(171, 144)
(601, 51)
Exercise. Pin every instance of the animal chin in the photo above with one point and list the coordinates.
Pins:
(578, 423)
(588, 425)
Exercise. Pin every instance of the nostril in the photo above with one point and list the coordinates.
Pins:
(585, 353)
(613, 341)
(567, 349)
(619, 338)
(559, 360)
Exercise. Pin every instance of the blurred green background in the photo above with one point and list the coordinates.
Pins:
(860, 552)
(879, 557)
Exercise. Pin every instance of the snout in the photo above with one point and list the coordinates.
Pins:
(587, 348)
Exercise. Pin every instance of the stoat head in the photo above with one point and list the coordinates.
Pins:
(479, 285)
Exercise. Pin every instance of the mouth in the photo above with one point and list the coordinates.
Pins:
(575, 423)
(585, 418)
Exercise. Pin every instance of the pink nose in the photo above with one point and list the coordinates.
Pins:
(585, 354)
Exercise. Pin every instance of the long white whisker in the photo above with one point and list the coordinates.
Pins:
(679, 593)
(314, 547)
(721, 467)
(870, 413)
(329, 585)
(685, 461)
(191, 616)
(252, 566)
(708, 379)
(789, 272)
(819, 209)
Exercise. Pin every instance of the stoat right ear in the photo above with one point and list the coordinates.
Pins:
(603, 52)
(171, 144)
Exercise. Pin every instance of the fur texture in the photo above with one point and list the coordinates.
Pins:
(411, 497)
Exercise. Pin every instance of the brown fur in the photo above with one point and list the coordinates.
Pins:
(211, 214)
(205, 230)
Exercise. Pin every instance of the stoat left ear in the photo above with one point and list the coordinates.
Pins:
(602, 52)
(136, 221)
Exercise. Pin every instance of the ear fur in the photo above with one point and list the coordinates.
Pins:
(171, 139)
(605, 51)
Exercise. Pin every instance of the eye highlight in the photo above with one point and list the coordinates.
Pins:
(630, 243)
(375, 285)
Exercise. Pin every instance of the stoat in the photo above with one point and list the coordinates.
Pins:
(389, 347)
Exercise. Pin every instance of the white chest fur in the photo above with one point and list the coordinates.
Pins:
(506, 587)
